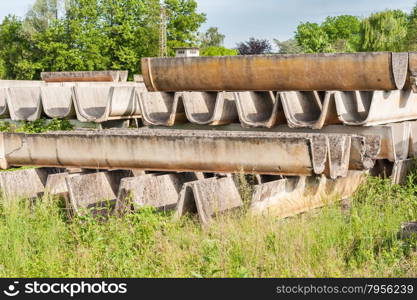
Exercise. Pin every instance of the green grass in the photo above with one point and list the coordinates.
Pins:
(38, 126)
(36, 240)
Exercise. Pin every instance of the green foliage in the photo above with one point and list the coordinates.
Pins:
(335, 34)
(92, 35)
(38, 126)
(41, 15)
(385, 31)
(16, 50)
(183, 23)
(290, 46)
(343, 32)
(411, 38)
(218, 51)
(211, 38)
(38, 240)
(312, 38)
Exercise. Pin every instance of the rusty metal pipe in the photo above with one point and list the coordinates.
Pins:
(302, 72)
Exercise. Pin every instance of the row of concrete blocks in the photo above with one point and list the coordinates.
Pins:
(119, 192)
(99, 103)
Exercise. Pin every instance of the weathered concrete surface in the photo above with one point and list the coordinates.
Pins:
(137, 78)
(164, 109)
(4, 110)
(374, 108)
(290, 196)
(56, 184)
(91, 102)
(396, 143)
(105, 103)
(123, 104)
(24, 103)
(95, 192)
(192, 151)
(205, 108)
(267, 109)
(27, 183)
(87, 76)
(300, 72)
(309, 109)
(57, 102)
(209, 198)
(20, 83)
(259, 109)
(158, 191)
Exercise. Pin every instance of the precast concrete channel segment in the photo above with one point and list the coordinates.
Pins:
(398, 140)
(271, 153)
(102, 102)
(86, 76)
(88, 102)
(268, 109)
(205, 195)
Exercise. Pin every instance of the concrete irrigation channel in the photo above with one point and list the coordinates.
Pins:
(302, 129)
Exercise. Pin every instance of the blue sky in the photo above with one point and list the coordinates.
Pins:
(241, 19)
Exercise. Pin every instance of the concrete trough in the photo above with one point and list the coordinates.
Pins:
(161, 109)
(290, 196)
(26, 183)
(105, 103)
(94, 193)
(85, 76)
(209, 198)
(158, 191)
(24, 103)
(205, 108)
(193, 151)
(4, 110)
(268, 109)
(57, 102)
(259, 109)
(21, 83)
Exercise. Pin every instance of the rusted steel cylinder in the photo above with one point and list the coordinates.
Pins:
(301, 72)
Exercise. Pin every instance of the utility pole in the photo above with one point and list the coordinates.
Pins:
(163, 49)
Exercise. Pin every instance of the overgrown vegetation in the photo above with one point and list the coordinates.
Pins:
(38, 126)
(38, 241)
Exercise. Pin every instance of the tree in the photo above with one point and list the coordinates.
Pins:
(343, 32)
(92, 35)
(41, 15)
(411, 37)
(218, 51)
(183, 23)
(288, 47)
(131, 30)
(254, 46)
(335, 34)
(211, 38)
(16, 52)
(312, 38)
(385, 31)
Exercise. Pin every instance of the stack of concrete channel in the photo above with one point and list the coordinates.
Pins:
(306, 128)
